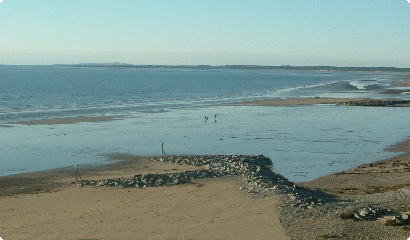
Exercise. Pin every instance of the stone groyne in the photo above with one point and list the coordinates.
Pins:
(256, 170)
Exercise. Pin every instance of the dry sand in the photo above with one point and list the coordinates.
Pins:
(46, 205)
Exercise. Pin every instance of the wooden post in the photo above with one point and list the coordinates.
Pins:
(77, 174)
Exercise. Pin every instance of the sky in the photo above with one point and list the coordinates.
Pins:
(210, 32)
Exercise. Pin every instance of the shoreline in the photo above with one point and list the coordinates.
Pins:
(47, 180)
(125, 164)
(121, 162)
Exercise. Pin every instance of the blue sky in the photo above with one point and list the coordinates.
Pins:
(261, 32)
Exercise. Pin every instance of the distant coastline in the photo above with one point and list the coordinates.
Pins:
(118, 65)
(248, 67)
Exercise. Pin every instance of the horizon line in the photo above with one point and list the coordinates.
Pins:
(227, 66)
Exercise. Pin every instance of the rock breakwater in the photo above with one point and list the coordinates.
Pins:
(257, 171)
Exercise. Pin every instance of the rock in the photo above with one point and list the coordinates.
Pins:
(366, 213)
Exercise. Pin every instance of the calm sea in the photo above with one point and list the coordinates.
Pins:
(169, 106)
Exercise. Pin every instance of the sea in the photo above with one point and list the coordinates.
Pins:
(189, 111)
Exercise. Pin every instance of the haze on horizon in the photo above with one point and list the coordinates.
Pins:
(370, 33)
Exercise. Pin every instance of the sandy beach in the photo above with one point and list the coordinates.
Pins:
(49, 205)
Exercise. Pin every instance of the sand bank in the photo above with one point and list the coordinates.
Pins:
(404, 83)
(53, 208)
(298, 101)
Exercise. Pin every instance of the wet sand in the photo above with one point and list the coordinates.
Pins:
(67, 120)
(268, 102)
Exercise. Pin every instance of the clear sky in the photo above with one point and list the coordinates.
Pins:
(214, 32)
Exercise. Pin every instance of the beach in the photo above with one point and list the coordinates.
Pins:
(47, 205)
(52, 205)
(204, 120)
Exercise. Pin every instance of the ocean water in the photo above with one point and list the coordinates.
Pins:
(155, 106)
